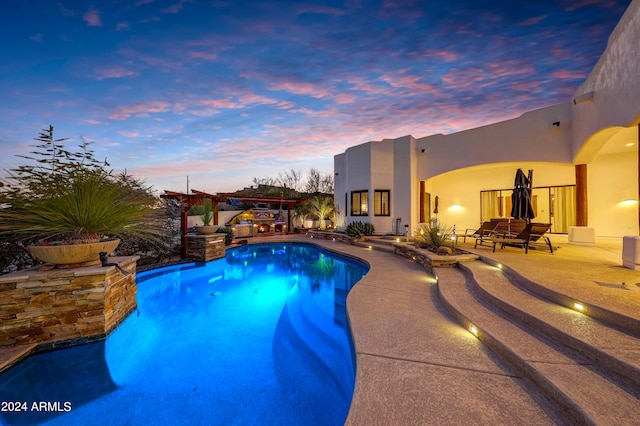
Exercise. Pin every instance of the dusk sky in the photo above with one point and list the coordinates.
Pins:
(224, 91)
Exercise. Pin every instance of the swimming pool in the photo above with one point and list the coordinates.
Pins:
(259, 337)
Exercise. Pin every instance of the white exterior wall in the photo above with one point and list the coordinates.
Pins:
(382, 169)
(530, 137)
(615, 85)
(403, 193)
(610, 187)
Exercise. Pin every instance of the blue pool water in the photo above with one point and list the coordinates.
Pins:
(259, 337)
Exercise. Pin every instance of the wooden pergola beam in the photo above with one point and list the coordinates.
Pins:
(189, 200)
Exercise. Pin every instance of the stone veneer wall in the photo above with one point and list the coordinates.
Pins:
(204, 248)
(60, 307)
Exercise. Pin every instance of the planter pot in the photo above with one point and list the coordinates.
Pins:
(206, 229)
(73, 254)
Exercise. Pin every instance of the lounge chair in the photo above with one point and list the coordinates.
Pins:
(527, 238)
(486, 228)
(495, 228)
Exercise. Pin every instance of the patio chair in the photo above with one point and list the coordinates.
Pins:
(527, 238)
(486, 228)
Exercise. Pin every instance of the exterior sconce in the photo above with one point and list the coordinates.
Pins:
(555, 124)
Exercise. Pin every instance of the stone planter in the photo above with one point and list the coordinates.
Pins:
(73, 254)
(206, 229)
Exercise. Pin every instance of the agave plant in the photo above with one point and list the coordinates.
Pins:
(207, 212)
(434, 234)
(359, 230)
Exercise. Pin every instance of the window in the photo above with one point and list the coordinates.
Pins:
(381, 202)
(360, 203)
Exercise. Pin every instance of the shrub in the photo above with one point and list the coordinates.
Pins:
(228, 237)
(359, 229)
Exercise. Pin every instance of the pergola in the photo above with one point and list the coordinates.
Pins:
(196, 197)
(186, 202)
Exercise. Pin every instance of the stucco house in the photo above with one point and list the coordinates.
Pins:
(583, 153)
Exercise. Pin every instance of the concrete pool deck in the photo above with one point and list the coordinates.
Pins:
(418, 364)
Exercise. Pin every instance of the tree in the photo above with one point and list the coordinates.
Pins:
(291, 183)
(317, 182)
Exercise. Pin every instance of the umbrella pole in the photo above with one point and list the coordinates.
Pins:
(530, 177)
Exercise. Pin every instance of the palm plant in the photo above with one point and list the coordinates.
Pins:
(322, 207)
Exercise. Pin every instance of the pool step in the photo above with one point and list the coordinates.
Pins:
(320, 344)
(587, 369)
(378, 243)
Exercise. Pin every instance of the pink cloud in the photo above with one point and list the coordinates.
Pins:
(252, 98)
(299, 89)
(525, 87)
(129, 133)
(218, 103)
(344, 98)
(123, 26)
(463, 79)
(92, 18)
(509, 68)
(320, 10)
(535, 20)
(577, 4)
(370, 88)
(115, 72)
(411, 82)
(177, 7)
(140, 109)
(567, 74)
(203, 55)
(446, 55)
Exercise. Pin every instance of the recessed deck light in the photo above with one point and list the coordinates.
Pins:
(578, 306)
(473, 330)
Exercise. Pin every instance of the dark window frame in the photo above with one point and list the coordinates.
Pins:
(382, 211)
(356, 205)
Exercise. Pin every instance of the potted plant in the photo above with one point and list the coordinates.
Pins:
(207, 217)
(68, 207)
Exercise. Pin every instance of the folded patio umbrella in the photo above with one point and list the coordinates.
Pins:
(521, 207)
